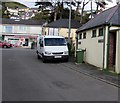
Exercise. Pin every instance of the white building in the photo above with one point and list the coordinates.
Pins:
(101, 38)
(21, 32)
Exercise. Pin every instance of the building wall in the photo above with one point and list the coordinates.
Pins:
(95, 54)
(94, 49)
(23, 29)
(0, 31)
(29, 32)
(35, 29)
(118, 53)
(45, 30)
(64, 32)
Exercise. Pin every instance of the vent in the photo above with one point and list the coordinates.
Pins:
(58, 53)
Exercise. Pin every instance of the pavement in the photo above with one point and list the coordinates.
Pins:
(95, 72)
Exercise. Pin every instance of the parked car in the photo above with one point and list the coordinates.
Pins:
(5, 44)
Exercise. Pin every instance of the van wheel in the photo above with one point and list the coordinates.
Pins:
(38, 55)
(43, 59)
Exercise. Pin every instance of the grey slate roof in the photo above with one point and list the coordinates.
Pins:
(63, 23)
(22, 22)
(106, 17)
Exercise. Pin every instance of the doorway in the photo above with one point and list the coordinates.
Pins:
(26, 42)
(112, 50)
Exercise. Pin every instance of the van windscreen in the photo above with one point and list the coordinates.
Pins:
(55, 42)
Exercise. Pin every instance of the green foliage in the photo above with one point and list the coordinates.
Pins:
(58, 11)
(5, 13)
(50, 16)
(40, 16)
(14, 5)
(85, 18)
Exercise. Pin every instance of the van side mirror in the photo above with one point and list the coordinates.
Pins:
(41, 45)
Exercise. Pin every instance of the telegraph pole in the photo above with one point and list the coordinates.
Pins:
(69, 31)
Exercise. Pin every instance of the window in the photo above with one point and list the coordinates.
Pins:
(22, 28)
(101, 32)
(80, 36)
(41, 42)
(93, 33)
(84, 35)
(55, 42)
(8, 29)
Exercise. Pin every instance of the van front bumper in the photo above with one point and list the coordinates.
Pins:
(57, 57)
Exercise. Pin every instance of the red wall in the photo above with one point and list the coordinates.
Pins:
(112, 49)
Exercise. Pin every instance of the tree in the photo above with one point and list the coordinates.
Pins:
(101, 4)
(5, 12)
(57, 10)
(53, 6)
(84, 3)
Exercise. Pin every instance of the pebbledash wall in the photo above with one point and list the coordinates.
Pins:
(94, 50)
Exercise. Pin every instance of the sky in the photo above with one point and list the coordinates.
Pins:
(31, 3)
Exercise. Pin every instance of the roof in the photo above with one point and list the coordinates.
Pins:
(23, 22)
(109, 16)
(64, 23)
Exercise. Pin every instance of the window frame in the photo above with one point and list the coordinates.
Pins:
(8, 29)
(94, 33)
(80, 36)
(101, 32)
(84, 35)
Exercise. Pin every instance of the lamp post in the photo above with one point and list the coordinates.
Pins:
(91, 10)
(69, 28)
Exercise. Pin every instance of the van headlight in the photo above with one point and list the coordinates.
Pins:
(48, 53)
(66, 52)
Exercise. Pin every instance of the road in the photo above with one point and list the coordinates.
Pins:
(25, 78)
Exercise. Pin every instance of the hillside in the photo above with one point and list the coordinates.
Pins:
(14, 4)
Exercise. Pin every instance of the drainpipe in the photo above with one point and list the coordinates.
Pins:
(108, 45)
(76, 41)
(104, 46)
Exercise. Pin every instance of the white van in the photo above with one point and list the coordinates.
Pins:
(52, 47)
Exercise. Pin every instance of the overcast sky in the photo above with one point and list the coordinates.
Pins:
(31, 3)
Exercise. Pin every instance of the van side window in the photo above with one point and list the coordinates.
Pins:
(41, 43)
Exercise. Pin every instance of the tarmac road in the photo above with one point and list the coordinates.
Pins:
(25, 78)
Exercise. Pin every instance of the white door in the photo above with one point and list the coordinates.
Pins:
(53, 31)
(56, 31)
